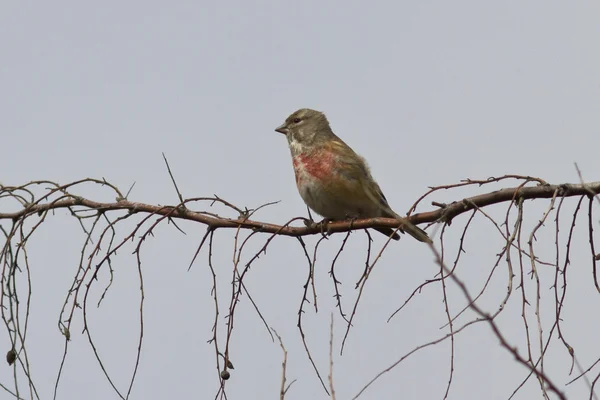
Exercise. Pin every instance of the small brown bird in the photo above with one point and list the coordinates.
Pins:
(332, 179)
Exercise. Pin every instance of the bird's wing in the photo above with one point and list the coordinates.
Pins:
(365, 190)
(356, 171)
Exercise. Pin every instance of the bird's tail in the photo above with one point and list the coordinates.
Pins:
(415, 231)
(389, 232)
(407, 227)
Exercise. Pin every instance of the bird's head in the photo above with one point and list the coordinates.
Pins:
(305, 127)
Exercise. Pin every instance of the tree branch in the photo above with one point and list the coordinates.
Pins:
(446, 212)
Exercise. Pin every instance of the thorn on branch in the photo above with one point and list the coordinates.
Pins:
(129, 191)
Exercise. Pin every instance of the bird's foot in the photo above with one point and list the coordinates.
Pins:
(321, 225)
(324, 225)
(351, 219)
(309, 222)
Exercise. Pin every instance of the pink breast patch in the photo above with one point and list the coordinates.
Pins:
(317, 165)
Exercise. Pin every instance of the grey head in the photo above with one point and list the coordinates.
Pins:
(306, 127)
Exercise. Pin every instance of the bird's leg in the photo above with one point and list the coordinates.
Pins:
(322, 225)
(310, 222)
(325, 226)
(351, 218)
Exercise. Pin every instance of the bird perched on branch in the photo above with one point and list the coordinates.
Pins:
(332, 179)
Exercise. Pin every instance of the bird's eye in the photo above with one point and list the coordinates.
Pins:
(296, 120)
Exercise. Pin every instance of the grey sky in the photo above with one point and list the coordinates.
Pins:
(429, 92)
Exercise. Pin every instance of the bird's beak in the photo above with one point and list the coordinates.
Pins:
(282, 129)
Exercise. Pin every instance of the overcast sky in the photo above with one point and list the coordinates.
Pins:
(429, 92)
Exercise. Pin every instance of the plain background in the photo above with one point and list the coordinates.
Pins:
(429, 92)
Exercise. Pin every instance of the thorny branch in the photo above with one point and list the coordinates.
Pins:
(446, 212)
(23, 210)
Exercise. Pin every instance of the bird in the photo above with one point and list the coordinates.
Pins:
(333, 180)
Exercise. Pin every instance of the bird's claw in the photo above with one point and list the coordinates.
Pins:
(321, 225)
(309, 222)
(324, 225)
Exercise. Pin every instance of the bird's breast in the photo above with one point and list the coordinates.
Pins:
(317, 165)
